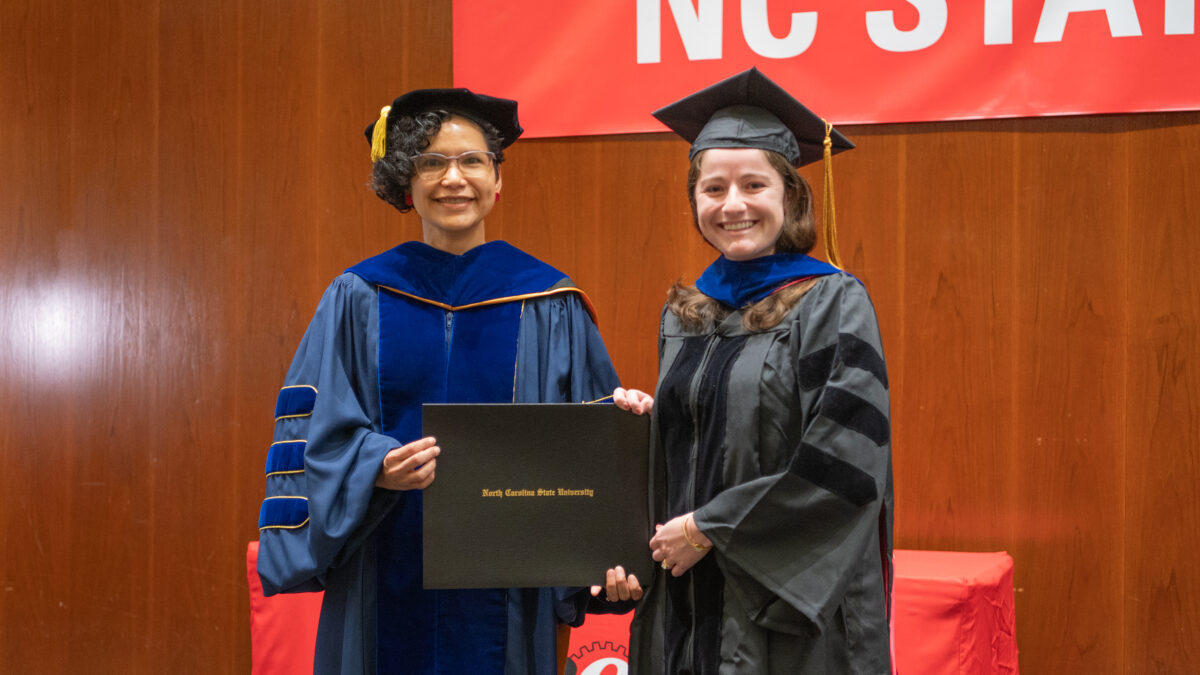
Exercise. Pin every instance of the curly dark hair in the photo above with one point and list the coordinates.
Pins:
(409, 135)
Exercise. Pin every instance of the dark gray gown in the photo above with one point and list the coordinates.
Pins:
(780, 443)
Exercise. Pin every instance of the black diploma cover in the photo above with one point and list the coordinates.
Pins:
(539, 494)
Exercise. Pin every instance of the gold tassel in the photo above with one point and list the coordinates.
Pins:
(827, 216)
(379, 135)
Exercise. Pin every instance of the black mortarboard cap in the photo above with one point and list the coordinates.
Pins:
(748, 110)
(499, 112)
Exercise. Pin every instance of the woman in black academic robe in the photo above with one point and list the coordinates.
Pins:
(771, 419)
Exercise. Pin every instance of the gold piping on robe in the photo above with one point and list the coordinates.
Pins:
(286, 527)
(587, 303)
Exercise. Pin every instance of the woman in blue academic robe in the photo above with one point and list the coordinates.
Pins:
(452, 318)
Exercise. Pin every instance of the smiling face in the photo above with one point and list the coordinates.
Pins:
(453, 206)
(739, 202)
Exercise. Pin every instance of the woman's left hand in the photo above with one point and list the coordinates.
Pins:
(670, 548)
(618, 586)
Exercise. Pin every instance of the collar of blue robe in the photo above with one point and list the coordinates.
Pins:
(492, 271)
(740, 283)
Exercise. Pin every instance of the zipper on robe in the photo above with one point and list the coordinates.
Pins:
(693, 404)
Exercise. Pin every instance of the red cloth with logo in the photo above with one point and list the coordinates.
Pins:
(952, 612)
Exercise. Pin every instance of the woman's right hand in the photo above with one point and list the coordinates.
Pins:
(409, 467)
(633, 400)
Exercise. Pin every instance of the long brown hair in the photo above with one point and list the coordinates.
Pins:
(697, 311)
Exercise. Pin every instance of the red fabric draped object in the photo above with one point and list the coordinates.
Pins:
(283, 628)
(953, 615)
(598, 67)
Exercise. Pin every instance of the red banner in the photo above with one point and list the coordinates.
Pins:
(600, 66)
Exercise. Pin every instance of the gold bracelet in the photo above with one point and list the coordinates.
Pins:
(691, 543)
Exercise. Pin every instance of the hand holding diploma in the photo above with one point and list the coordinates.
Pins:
(635, 401)
(619, 586)
(409, 467)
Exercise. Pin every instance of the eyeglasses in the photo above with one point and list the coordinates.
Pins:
(472, 164)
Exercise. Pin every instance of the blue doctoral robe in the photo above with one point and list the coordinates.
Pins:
(415, 325)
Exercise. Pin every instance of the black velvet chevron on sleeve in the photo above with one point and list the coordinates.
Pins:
(852, 351)
(839, 477)
(854, 412)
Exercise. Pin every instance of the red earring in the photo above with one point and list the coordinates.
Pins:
(497, 196)
(408, 200)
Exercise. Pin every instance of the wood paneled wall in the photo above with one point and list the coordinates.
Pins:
(179, 181)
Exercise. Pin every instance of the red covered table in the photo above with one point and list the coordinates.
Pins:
(283, 628)
(953, 614)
